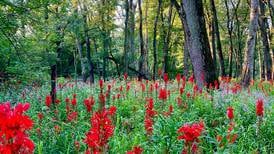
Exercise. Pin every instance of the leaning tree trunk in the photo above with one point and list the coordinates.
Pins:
(218, 38)
(155, 40)
(264, 35)
(250, 44)
(198, 44)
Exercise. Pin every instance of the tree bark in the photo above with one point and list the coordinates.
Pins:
(250, 44)
(82, 59)
(126, 42)
(192, 15)
(263, 24)
(155, 40)
(218, 39)
(142, 47)
(229, 29)
(88, 50)
(132, 8)
(167, 33)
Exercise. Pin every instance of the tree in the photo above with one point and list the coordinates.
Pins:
(142, 62)
(194, 24)
(263, 24)
(247, 74)
(218, 39)
(154, 39)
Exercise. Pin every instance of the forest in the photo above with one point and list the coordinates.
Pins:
(136, 76)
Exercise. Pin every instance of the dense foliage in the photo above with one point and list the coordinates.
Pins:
(165, 116)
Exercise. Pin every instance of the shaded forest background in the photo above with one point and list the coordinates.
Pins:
(89, 39)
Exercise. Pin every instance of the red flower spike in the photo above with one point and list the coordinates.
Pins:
(165, 78)
(101, 83)
(178, 78)
(135, 150)
(48, 100)
(74, 102)
(125, 76)
(163, 94)
(259, 107)
(229, 112)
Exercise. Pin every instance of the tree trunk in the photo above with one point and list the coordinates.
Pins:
(166, 32)
(132, 8)
(142, 47)
(82, 59)
(250, 44)
(218, 39)
(126, 42)
(264, 35)
(186, 58)
(155, 40)
(229, 26)
(197, 40)
(146, 40)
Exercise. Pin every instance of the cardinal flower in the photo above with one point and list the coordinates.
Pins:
(135, 150)
(259, 107)
(229, 113)
(163, 94)
(48, 101)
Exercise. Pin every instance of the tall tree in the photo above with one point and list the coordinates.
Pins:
(265, 40)
(218, 39)
(126, 33)
(155, 61)
(194, 24)
(167, 34)
(142, 63)
(229, 25)
(250, 44)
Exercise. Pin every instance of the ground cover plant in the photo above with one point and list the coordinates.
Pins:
(125, 115)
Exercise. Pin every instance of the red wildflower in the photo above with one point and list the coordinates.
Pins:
(89, 102)
(112, 110)
(191, 79)
(229, 112)
(101, 83)
(163, 94)
(57, 129)
(188, 95)
(109, 87)
(260, 107)
(102, 98)
(149, 125)
(67, 100)
(77, 145)
(13, 126)
(72, 116)
(57, 101)
(74, 102)
(178, 78)
(40, 116)
(143, 86)
(190, 133)
(48, 100)
(182, 90)
(179, 101)
(101, 131)
(135, 150)
(125, 76)
(74, 95)
(156, 85)
(165, 78)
